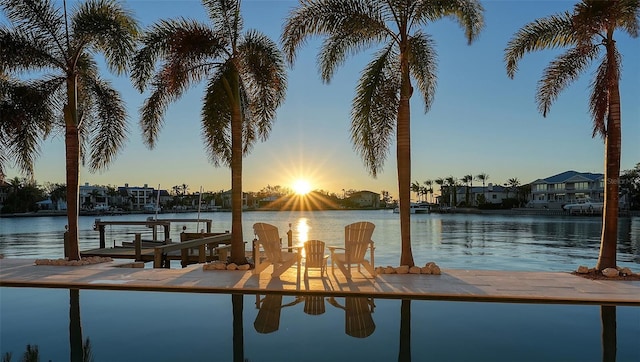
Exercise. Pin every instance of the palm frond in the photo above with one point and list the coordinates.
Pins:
(423, 64)
(216, 118)
(331, 17)
(336, 48)
(468, 13)
(374, 109)
(110, 130)
(185, 47)
(40, 19)
(629, 16)
(107, 26)
(561, 72)
(605, 78)
(264, 79)
(551, 32)
(226, 18)
(25, 111)
(152, 112)
(21, 52)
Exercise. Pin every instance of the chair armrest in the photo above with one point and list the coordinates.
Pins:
(335, 247)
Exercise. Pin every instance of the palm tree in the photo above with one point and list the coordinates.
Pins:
(246, 82)
(467, 179)
(46, 39)
(429, 189)
(440, 181)
(381, 104)
(415, 187)
(483, 177)
(513, 184)
(586, 31)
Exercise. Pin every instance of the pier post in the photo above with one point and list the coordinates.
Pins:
(290, 239)
(102, 236)
(137, 243)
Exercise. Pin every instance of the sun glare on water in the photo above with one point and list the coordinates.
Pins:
(301, 187)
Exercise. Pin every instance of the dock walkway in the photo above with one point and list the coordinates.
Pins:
(453, 284)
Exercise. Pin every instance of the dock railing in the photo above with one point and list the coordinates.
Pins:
(218, 244)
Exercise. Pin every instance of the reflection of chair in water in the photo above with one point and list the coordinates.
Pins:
(314, 257)
(358, 320)
(267, 236)
(313, 304)
(357, 240)
(268, 318)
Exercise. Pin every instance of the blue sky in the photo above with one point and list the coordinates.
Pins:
(480, 122)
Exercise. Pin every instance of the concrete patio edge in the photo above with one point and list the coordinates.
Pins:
(453, 284)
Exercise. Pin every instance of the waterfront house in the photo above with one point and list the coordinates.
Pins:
(93, 197)
(138, 197)
(364, 198)
(567, 187)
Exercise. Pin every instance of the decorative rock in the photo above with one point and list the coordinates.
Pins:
(425, 270)
(402, 269)
(610, 272)
(379, 270)
(414, 270)
(625, 271)
(244, 267)
(582, 270)
(232, 266)
(389, 270)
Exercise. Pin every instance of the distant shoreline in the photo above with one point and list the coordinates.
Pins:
(515, 212)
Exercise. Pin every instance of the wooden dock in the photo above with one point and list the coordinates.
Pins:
(193, 248)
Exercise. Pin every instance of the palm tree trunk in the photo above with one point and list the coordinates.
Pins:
(237, 244)
(72, 147)
(403, 155)
(613, 144)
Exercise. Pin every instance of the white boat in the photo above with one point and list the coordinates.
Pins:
(416, 208)
(584, 205)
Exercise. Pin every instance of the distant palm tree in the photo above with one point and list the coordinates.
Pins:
(440, 182)
(466, 179)
(483, 177)
(246, 82)
(46, 39)
(586, 31)
(381, 106)
(513, 184)
(428, 184)
(415, 187)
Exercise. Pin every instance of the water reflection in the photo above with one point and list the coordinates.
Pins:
(360, 322)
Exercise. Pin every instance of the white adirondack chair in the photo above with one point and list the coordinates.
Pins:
(357, 240)
(268, 237)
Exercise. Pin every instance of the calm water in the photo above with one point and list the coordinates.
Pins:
(145, 326)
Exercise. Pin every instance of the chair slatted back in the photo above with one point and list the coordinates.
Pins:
(314, 250)
(357, 238)
(268, 236)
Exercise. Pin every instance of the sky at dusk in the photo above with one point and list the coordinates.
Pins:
(480, 121)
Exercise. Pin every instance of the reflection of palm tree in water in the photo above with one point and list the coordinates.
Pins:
(358, 320)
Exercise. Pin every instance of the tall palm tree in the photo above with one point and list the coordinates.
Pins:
(513, 184)
(483, 177)
(415, 187)
(72, 96)
(587, 31)
(466, 179)
(428, 184)
(381, 104)
(440, 182)
(246, 82)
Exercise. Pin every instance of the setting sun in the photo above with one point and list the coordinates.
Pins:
(301, 187)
